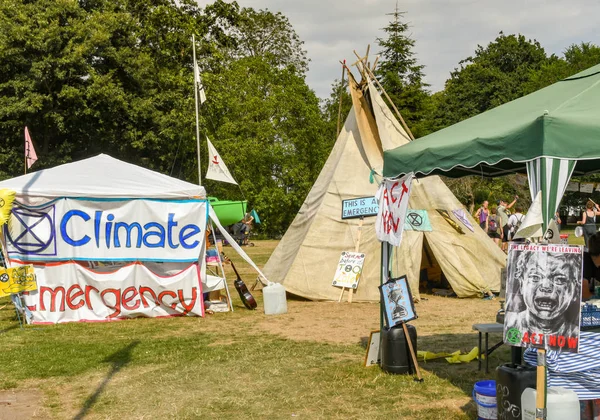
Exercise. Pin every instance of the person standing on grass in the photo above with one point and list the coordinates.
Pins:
(589, 220)
(503, 212)
(514, 223)
(494, 229)
(482, 215)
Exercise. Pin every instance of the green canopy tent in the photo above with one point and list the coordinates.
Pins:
(552, 134)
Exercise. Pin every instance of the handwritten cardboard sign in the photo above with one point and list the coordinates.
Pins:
(349, 270)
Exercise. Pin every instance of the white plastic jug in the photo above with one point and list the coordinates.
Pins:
(275, 302)
(561, 403)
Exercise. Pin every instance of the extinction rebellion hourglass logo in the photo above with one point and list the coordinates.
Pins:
(31, 232)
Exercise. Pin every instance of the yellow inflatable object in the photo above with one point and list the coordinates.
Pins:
(6, 201)
(455, 357)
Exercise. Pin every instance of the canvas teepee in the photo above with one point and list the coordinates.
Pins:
(306, 258)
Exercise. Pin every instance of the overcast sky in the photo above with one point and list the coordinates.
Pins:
(445, 31)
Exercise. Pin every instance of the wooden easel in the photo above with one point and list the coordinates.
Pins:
(350, 290)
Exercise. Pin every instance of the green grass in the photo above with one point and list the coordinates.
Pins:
(229, 367)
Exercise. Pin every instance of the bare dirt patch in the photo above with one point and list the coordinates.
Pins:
(344, 323)
(21, 404)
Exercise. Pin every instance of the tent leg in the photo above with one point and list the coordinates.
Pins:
(221, 268)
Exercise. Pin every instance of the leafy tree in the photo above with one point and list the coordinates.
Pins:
(496, 74)
(98, 76)
(401, 75)
(267, 126)
(116, 77)
(577, 57)
(261, 33)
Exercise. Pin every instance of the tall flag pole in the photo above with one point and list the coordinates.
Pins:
(197, 87)
(30, 155)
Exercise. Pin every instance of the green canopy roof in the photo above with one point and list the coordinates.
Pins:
(559, 121)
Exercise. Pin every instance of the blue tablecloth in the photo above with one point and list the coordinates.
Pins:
(579, 372)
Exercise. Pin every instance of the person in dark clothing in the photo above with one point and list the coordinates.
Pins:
(589, 221)
(591, 267)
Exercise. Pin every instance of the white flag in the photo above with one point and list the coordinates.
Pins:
(216, 167)
(198, 83)
(393, 202)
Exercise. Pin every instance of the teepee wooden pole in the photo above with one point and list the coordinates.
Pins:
(341, 97)
(412, 137)
(361, 68)
(372, 76)
(375, 64)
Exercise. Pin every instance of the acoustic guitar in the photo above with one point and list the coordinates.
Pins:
(240, 286)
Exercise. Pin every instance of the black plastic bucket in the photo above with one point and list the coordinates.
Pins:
(395, 353)
(511, 381)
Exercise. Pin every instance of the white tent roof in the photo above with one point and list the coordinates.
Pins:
(101, 176)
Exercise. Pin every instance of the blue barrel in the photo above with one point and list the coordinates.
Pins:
(484, 395)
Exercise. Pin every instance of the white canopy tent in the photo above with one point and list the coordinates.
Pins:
(100, 176)
(104, 177)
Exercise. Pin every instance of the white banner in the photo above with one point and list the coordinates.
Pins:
(393, 202)
(114, 230)
(70, 292)
(586, 187)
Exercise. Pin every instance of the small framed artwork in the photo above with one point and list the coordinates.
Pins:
(373, 356)
(397, 301)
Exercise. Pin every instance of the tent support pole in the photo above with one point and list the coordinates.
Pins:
(221, 268)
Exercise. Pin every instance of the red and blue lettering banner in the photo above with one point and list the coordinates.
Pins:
(393, 197)
(112, 230)
(69, 292)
